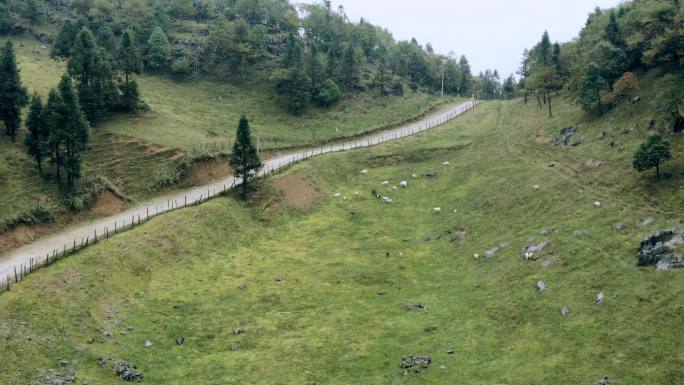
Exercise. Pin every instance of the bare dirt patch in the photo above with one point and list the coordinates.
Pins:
(298, 191)
(21, 235)
(592, 163)
(207, 171)
(108, 204)
(541, 139)
(558, 166)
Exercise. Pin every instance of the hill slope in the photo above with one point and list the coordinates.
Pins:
(331, 284)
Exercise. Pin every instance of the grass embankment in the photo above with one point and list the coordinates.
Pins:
(311, 306)
(141, 154)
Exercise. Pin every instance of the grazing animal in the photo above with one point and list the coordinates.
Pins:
(337, 195)
(403, 184)
(364, 172)
(414, 176)
(386, 200)
(597, 204)
(385, 183)
(600, 297)
(376, 194)
(445, 163)
(437, 209)
(536, 187)
(431, 174)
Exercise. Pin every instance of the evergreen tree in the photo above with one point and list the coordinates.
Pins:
(158, 54)
(13, 95)
(55, 128)
(314, 66)
(245, 159)
(350, 66)
(669, 102)
(91, 66)
(37, 137)
(545, 49)
(465, 83)
(328, 94)
(651, 154)
(65, 39)
(612, 31)
(76, 131)
(294, 89)
(130, 63)
(590, 86)
(293, 54)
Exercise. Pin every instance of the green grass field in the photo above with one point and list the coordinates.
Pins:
(192, 117)
(311, 307)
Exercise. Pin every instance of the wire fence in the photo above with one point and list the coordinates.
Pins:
(144, 214)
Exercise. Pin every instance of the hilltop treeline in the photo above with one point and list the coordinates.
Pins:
(598, 67)
(311, 53)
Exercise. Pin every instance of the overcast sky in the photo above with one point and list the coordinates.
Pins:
(491, 33)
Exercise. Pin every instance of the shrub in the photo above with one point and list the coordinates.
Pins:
(329, 93)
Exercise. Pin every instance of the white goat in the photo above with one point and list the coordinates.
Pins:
(597, 204)
(386, 200)
(414, 176)
(437, 210)
(445, 163)
(385, 183)
(403, 184)
(364, 172)
(337, 195)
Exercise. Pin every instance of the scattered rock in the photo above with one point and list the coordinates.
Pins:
(541, 286)
(544, 232)
(664, 249)
(457, 235)
(414, 306)
(565, 135)
(429, 329)
(580, 233)
(451, 351)
(415, 362)
(127, 371)
(107, 333)
(604, 381)
(532, 250)
(490, 253)
(234, 346)
(148, 344)
(243, 286)
(548, 263)
(381, 292)
(618, 226)
(180, 341)
(644, 222)
(443, 367)
(239, 330)
(565, 311)
(431, 174)
(600, 297)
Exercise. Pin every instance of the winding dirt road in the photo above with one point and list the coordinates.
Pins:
(40, 251)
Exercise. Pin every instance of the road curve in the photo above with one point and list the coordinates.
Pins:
(42, 250)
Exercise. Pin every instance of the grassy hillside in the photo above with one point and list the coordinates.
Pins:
(328, 280)
(139, 155)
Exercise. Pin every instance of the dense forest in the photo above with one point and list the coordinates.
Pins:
(600, 68)
(311, 53)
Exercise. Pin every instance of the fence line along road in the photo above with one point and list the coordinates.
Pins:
(23, 260)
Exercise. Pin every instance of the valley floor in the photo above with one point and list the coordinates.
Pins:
(333, 289)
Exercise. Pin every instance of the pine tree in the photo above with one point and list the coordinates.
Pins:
(55, 128)
(245, 160)
(612, 31)
(130, 63)
(590, 86)
(545, 49)
(37, 137)
(314, 66)
(65, 39)
(76, 131)
(158, 54)
(350, 66)
(13, 95)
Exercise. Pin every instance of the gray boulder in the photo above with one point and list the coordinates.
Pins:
(664, 249)
(565, 311)
(644, 222)
(541, 286)
(565, 136)
(618, 226)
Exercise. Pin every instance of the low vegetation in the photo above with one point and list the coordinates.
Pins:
(344, 287)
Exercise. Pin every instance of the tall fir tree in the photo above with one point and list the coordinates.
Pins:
(55, 127)
(36, 139)
(13, 95)
(130, 63)
(158, 53)
(76, 131)
(245, 159)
